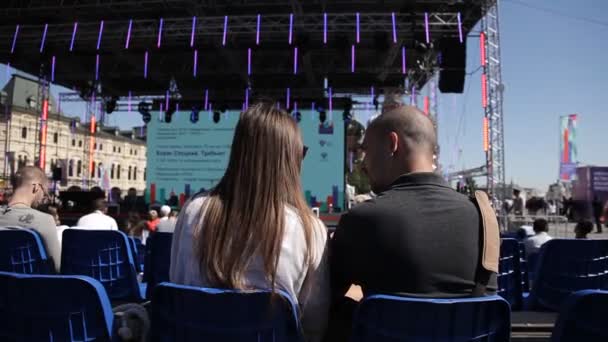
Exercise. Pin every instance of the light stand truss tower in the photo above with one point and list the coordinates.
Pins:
(492, 91)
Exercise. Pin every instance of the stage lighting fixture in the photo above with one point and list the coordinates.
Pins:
(322, 116)
(216, 116)
(144, 109)
(376, 102)
(348, 106)
(110, 104)
(194, 115)
(170, 111)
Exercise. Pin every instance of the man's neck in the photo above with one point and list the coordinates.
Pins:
(20, 198)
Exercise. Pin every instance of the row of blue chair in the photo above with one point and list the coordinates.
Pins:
(108, 256)
(563, 267)
(77, 308)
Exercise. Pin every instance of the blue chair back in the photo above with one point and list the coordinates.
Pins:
(104, 255)
(53, 308)
(524, 267)
(22, 251)
(384, 318)
(138, 250)
(582, 317)
(509, 274)
(158, 257)
(187, 313)
(566, 266)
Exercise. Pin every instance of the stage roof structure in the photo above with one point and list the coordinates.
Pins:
(139, 46)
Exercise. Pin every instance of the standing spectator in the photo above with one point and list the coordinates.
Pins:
(239, 237)
(582, 229)
(598, 207)
(135, 225)
(153, 221)
(518, 203)
(167, 220)
(534, 243)
(98, 218)
(54, 212)
(30, 191)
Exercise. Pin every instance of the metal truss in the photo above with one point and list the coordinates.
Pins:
(273, 27)
(474, 172)
(495, 158)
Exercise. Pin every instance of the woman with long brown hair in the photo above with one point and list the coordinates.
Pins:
(254, 230)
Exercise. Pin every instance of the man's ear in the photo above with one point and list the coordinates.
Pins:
(393, 141)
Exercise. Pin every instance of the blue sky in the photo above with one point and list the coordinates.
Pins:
(555, 62)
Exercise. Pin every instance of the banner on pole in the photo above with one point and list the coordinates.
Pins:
(567, 148)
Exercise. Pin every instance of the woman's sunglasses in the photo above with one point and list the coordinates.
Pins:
(304, 151)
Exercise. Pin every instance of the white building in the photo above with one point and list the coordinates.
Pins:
(119, 154)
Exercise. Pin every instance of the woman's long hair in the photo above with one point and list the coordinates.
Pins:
(244, 216)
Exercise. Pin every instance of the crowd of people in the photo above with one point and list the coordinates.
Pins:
(28, 207)
(417, 236)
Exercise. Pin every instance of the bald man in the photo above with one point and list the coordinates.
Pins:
(418, 237)
(30, 190)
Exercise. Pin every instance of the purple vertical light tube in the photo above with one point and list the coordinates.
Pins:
(426, 27)
(295, 60)
(100, 34)
(160, 33)
(460, 28)
(128, 41)
(324, 28)
(146, 64)
(15, 38)
(394, 27)
(290, 28)
(195, 63)
(193, 32)
(73, 36)
(225, 30)
(249, 62)
(96, 67)
(53, 69)
(257, 31)
(403, 60)
(46, 28)
(206, 99)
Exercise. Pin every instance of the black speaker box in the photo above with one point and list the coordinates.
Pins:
(452, 63)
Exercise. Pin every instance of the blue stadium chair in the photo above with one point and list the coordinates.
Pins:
(138, 250)
(566, 266)
(524, 267)
(509, 274)
(104, 255)
(582, 317)
(384, 318)
(22, 251)
(158, 257)
(53, 308)
(187, 313)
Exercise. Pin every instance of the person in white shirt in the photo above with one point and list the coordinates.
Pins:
(98, 218)
(534, 243)
(167, 220)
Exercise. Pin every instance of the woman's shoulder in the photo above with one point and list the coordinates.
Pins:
(293, 220)
(194, 204)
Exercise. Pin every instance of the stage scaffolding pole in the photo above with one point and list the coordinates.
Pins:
(495, 158)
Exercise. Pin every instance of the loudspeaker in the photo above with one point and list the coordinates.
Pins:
(453, 62)
(57, 174)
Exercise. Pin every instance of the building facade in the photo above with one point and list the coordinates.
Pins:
(117, 160)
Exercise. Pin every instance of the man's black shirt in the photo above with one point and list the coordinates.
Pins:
(419, 238)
